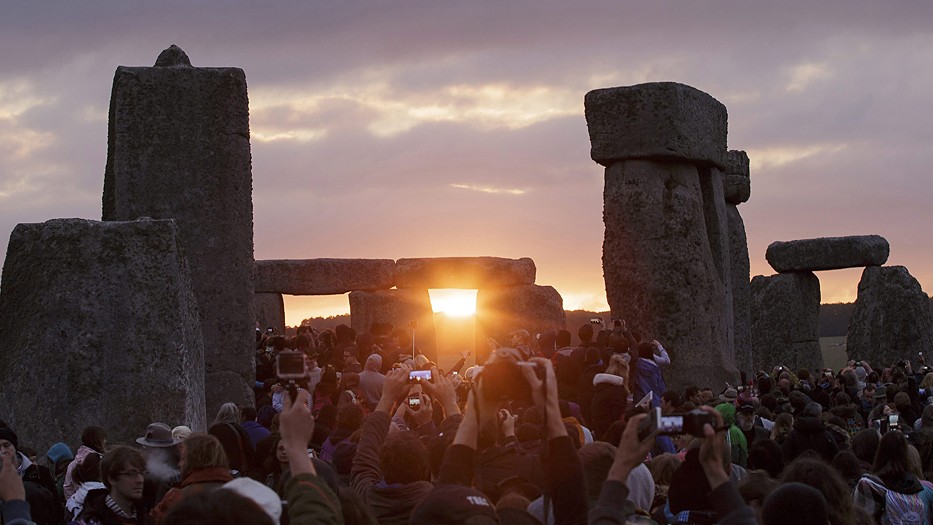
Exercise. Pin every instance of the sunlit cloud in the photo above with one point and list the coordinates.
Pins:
(802, 75)
(294, 135)
(17, 97)
(20, 143)
(766, 158)
(489, 189)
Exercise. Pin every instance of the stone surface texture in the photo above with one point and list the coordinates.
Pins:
(323, 276)
(660, 270)
(660, 120)
(785, 314)
(828, 253)
(463, 272)
(891, 320)
(270, 311)
(737, 181)
(501, 310)
(178, 148)
(98, 326)
(741, 290)
(398, 308)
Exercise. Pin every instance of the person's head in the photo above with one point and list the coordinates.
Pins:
(645, 350)
(670, 400)
(9, 442)
(842, 400)
(891, 461)
(902, 402)
(218, 506)
(349, 417)
(865, 445)
(123, 470)
(585, 333)
(345, 334)
(868, 393)
(663, 467)
(927, 382)
(247, 414)
(812, 409)
(88, 469)
(403, 459)
(94, 438)
(597, 458)
(281, 451)
(795, 503)
(618, 366)
(783, 424)
(692, 394)
(519, 337)
(706, 396)
(232, 444)
(755, 489)
(745, 417)
(819, 475)
(592, 355)
(848, 467)
(202, 451)
(228, 413)
(563, 339)
(766, 455)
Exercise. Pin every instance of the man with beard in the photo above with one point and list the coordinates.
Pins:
(123, 472)
(745, 419)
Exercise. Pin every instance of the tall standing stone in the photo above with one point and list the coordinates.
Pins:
(737, 189)
(178, 147)
(270, 311)
(891, 320)
(98, 326)
(666, 254)
(785, 316)
(500, 310)
(398, 308)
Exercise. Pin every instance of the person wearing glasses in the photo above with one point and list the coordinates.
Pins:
(123, 472)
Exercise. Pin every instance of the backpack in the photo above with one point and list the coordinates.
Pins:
(895, 508)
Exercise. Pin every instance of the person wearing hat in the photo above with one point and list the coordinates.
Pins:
(43, 497)
(160, 451)
(745, 419)
(13, 505)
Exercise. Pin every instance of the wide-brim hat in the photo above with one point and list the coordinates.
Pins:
(729, 396)
(158, 435)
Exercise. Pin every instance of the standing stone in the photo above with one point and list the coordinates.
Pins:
(741, 291)
(666, 253)
(178, 147)
(786, 321)
(737, 183)
(98, 326)
(501, 310)
(270, 311)
(891, 320)
(828, 253)
(398, 308)
(463, 272)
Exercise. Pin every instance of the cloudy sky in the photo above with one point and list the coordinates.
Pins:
(418, 129)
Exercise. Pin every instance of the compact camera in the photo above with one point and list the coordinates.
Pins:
(690, 423)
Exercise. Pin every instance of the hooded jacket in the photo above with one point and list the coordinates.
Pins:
(372, 379)
(809, 433)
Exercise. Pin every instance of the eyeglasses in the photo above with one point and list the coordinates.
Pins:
(133, 473)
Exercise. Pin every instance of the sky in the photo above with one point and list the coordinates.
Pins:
(426, 128)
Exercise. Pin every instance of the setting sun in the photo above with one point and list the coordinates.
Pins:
(453, 302)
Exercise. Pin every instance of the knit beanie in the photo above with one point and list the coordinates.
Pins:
(8, 434)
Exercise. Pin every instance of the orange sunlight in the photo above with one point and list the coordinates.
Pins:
(453, 302)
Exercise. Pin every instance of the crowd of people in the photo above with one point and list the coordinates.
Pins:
(368, 430)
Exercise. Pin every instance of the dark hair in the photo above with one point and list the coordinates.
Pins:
(766, 455)
(88, 469)
(824, 478)
(203, 451)
(891, 462)
(592, 355)
(278, 343)
(645, 350)
(847, 465)
(585, 333)
(349, 417)
(756, 487)
(218, 506)
(403, 459)
(116, 460)
(865, 445)
(690, 391)
(247, 413)
(94, 438)
(672, 397)
(527, 432)
(233, 445)
(563, 338)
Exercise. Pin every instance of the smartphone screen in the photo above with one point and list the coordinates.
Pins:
(417, 376)
(414, 402)
(671, 424)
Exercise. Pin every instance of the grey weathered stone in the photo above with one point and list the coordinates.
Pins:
(501, 310)
(173, 56)
(323, 276)
(785, 316)
(463, 272)
(828, 253)
(399, 308)
(891, 320)
(270, 311)
(715, 213)
(659, 120)
(98, 326)
(178, 147)
(737, 182)
(660, 271)
(741, 291)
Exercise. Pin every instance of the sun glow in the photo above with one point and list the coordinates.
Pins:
(456, 303)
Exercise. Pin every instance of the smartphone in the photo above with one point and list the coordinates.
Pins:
(291, 365)
(646, 401)
(892, 421)
(649, 424)
(414, 403)
(596, 320)
(418, 376)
